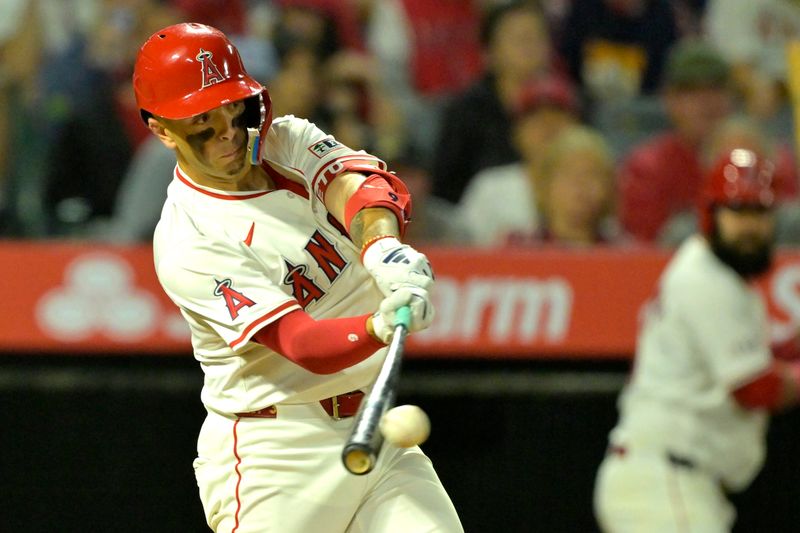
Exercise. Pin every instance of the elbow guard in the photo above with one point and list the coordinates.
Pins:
(380, 189)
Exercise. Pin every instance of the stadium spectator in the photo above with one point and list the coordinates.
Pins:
(753, 37)
(616, 48)
(20, 56)
(742, 131)
(662, 175)
(500, 199)
(574, 192)
(434, 220)
(476, 127)
(93, 138)
(424, 52)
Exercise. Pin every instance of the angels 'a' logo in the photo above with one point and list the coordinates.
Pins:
(234, 299)
(211, 73)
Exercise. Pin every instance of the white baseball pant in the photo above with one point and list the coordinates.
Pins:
(285, 475)
(644, 491)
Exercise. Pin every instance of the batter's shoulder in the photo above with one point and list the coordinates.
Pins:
(288, 136)
(695, 277)
(288, 127)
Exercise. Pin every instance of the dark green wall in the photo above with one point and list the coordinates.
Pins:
(105, 457)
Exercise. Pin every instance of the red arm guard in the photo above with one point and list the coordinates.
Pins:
(381, 189)
(767, 390)
(319, 346)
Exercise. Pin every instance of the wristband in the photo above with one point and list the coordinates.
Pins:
(372, 241)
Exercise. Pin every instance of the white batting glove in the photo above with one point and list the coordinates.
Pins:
(393, 265)
(422, 312)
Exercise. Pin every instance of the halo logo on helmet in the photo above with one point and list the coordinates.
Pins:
(165, 80)
(211, 73)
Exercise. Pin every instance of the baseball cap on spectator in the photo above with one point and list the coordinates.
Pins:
(693, 64)
(551, 91)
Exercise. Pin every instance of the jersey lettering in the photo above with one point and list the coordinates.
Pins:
(211, 73)
(304, 289)
(333, 169)
(326, 255)
(234, 299)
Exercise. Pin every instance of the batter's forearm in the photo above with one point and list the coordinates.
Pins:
(368, 207)
(373, 222)
(321, 346)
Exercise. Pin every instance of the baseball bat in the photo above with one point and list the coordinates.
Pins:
(361, 450)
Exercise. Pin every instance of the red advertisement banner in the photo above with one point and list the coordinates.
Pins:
(85, 298)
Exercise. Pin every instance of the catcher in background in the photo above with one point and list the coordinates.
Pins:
(278, 244)
(694, 415)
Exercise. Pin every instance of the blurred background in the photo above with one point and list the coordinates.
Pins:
(554, 148)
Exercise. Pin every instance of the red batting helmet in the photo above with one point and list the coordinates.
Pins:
(188, 69)
(740, 178)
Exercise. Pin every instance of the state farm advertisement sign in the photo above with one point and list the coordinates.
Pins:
(85, 298)
(518, 303)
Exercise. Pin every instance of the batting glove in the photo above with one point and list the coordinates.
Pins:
(393, 265)
(418, 300)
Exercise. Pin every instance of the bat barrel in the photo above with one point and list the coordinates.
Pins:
(361, 451)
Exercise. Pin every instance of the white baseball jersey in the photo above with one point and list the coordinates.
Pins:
(705, 334)
(236, 261)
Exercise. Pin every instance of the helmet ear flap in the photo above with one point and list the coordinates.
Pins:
(258, 118)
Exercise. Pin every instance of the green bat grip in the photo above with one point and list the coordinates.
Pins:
(403, 317)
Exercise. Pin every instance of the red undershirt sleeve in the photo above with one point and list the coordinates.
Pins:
(320, 346)
(766, 390)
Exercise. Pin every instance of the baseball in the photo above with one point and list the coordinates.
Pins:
(405, 426)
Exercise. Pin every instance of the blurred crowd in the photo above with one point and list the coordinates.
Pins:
(525, 123)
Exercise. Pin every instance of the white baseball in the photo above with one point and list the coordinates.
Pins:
(405, 426)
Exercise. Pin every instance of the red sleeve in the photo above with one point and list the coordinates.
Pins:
(787, 350)
(641, 211)
(319, 346)
(766, 391)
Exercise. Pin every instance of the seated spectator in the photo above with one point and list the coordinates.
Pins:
(433, 220)
(741, 131)
(753, 38)
(21, 52)
(574, 192)
(90, 149)
(424, 52)
(500, 199)
(662, 175)
(140, 197)
(476, 127)
(616, 48)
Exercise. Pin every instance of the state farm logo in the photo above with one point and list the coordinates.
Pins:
(98, 296)
(503, 309)
(784, 292)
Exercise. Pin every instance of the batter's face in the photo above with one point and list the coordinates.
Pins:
(212, 145)
(744, 238)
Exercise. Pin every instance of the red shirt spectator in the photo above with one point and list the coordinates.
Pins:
(663, 177)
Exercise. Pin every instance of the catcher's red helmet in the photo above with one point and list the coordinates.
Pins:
(740, 178)
(188, 69)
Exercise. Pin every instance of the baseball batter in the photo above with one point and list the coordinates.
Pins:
(693, 417)
(282, 249)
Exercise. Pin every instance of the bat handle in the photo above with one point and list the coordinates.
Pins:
(402, 317)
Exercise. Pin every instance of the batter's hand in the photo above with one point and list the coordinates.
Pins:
(417, 299)
(393, 265)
